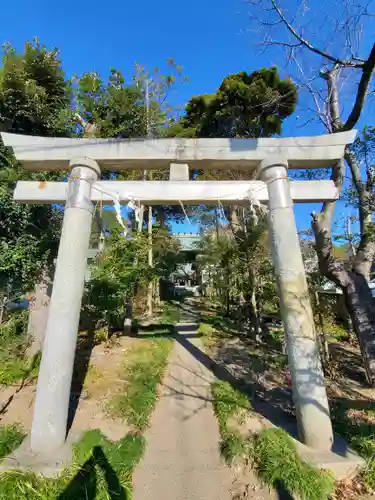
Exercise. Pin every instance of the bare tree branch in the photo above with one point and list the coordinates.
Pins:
(270, 41)
(314, 94)
(338, 170)
(367, 72)
(308, 45)
(333, 97)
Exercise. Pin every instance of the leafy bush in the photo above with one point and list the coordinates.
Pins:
(117, 274)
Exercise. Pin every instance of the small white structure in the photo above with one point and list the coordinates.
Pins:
(87, 157)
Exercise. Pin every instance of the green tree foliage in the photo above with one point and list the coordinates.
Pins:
(28, 241)
(114, 108)
(34, 101)
(117, 108)
(115, 276)
(245, 105)
(33, 92)
(122, 273)
(238, 261)
(167, 253)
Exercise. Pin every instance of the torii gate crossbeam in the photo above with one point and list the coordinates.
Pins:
(174, 192)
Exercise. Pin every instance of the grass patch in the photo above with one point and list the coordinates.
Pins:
(171, 313)
(14, 365)
(233, 446)
(101, 469)
(277, 461)
(218, 322)
(229, 403)
(209, 334)
(11, 436)
(272, 451)
(213, 329)
(142, 372)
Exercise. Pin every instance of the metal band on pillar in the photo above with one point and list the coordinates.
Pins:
(84, 172)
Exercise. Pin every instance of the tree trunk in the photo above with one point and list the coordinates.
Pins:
(254, 304)
(2, 306)
(358, 298)
(128, 318)
(353, 283)
(157, 294)
(360, 306)
(323, 344)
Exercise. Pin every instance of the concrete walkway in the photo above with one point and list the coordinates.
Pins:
(182, 460)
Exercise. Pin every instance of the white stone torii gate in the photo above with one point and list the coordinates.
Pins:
(86, 157)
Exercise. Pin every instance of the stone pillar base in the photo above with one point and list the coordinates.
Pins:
(48, 465)
(342, 462)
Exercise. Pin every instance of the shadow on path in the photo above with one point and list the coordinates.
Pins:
(84, 485)
(81, 365)
(282, 493)
(266, 403)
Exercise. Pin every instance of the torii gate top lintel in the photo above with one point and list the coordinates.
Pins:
(46, 153)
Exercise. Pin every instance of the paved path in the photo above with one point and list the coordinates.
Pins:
(182, 460)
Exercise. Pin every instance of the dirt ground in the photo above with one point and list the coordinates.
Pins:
(95, 380)
(261, 370)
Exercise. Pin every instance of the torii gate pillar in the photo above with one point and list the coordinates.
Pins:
(48, 432)
(309, 393)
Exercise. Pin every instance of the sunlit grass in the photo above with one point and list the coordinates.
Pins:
(141, 372)
(277, 461)
(101, 470)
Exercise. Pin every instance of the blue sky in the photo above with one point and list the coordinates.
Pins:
(209, 38)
